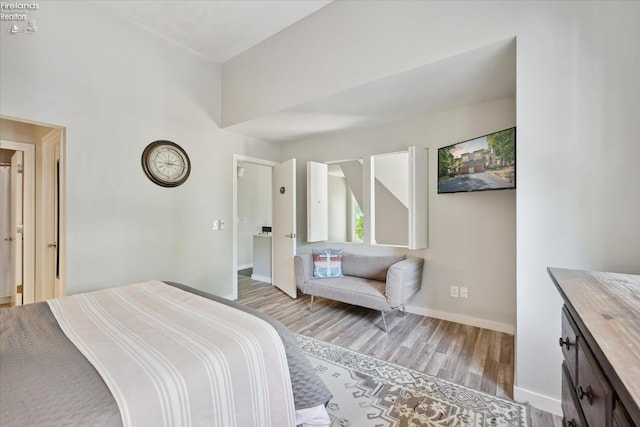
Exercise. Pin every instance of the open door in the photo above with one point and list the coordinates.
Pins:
(284, 227)
(418, 198)
(17, 226)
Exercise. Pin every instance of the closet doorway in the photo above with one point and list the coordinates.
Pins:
(32, 208)
(17, 224)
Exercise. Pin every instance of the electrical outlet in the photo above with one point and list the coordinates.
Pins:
(464, 292)
(454, 291)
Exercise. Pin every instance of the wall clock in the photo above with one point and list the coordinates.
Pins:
(166, 163)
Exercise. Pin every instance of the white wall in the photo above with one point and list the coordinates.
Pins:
(577, 91)
(254, 208)
(116, 88)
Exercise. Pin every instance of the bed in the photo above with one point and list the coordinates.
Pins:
(153, 353)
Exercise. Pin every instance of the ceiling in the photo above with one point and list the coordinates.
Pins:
(481, 75)
(216, 30)
(220, 30)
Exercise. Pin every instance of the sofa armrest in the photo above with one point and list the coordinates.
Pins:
(404, 280)
(303, 265)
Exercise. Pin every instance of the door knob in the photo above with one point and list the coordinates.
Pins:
(588, 393)
(565, 342)
(8, 239)
(292, 235)
(53, 245)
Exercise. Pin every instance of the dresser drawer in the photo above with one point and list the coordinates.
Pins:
(593, 392)
(568, 342)
(620, 416)
(570, 407)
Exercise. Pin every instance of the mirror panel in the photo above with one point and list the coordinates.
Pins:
(345, 217)
(334, 201)
(317, 202)
(400, 198)
(390, 188)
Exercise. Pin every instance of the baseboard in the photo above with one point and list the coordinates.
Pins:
(5, 300)
(537, 400)
(261, 278)
(244, 266)
(461, 318)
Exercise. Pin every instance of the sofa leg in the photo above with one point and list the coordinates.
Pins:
(311, 307)
(386, 331)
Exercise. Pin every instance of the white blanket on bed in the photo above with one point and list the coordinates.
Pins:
(172, 358)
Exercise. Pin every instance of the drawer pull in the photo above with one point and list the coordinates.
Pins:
(588, 393)
(565, 342)
(572, 423)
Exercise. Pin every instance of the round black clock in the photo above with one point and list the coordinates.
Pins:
(166, 163)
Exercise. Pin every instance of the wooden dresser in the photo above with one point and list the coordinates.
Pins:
(601, 347)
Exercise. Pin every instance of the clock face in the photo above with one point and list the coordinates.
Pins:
(166, 163)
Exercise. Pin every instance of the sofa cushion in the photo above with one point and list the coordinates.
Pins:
(352, 290)
(368, 267)
(327, 263)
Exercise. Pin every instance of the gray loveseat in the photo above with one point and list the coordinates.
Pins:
(382, 283)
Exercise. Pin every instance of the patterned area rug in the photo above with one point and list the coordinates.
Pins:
(371, 392)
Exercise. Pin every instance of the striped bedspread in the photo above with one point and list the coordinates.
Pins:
(172, 358)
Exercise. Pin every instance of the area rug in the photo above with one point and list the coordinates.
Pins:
(371, 392)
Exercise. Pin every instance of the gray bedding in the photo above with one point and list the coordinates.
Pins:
(45, 380)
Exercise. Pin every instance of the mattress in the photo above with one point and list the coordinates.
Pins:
(46, 380)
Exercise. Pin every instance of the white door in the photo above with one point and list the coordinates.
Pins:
(418, 198)
(284, 226)
(16, 226)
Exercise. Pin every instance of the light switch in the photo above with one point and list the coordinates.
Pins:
(216, 224)
(221, 222)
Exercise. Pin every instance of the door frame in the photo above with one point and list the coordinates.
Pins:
(234, 245)
(47, 206)
(28, 216)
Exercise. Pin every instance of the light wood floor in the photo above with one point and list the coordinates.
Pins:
(477, 358)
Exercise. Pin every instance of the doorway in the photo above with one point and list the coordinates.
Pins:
(283, 236)
(18, 226)
(7, 270)
(252, 210)
(254, 219)
(35, 237)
